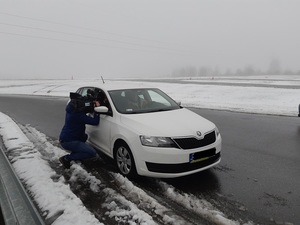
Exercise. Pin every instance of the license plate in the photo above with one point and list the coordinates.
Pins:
(201, 156)
(193, 159)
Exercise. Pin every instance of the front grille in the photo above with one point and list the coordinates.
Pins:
(190, 143)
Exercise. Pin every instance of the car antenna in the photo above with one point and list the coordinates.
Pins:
(102, 80)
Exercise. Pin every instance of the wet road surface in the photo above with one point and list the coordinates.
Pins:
(257, 179)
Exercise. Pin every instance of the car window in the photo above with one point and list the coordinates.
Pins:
(79, 91)
(84, 92)
(131, 101)
(102, 98)
(95, 94)
(156, 97)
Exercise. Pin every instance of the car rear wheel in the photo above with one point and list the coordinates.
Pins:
(125, 161)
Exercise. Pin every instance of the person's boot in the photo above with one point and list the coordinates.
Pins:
(66, 163)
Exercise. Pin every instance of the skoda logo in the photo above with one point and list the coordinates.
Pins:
(198, 133)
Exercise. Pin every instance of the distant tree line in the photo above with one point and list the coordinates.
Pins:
(273, 69)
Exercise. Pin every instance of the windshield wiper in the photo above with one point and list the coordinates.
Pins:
(159, 110)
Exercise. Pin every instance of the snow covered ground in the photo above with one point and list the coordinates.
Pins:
(273, 99)
(52, 192)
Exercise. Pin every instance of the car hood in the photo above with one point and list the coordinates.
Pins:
(173, 123)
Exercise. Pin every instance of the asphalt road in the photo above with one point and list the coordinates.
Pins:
(257, 179)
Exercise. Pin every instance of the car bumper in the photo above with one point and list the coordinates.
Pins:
(171, 163)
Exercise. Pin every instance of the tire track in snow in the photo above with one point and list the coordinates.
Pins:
(50, 88)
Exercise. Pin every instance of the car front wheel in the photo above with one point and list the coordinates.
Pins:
(124, 160)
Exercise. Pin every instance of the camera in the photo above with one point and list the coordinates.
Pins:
(82, 103)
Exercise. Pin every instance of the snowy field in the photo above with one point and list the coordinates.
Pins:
(273, 99)
(52, 193)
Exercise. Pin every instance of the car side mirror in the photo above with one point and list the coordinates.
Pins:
(101, 109)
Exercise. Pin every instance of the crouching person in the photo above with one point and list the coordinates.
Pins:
(73, 137)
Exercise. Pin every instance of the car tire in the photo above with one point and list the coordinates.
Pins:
(124, 160)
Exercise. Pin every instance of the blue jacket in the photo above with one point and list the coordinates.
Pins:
(74, 128)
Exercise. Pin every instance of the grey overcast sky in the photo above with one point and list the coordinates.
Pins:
(144, 38)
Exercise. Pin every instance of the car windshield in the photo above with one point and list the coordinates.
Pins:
(132, 101)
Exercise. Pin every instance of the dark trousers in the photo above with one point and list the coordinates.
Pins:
(79, 150)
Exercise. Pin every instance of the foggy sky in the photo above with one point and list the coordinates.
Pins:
(144, 38)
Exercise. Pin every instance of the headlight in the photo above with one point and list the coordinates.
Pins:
(157, 141)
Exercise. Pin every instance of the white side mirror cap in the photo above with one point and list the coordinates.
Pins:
(101, 109)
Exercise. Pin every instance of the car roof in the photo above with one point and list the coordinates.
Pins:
(109, 86)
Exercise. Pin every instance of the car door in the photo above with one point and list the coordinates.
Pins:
(100, 136)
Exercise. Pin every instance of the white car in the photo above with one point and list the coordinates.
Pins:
(147, 133)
